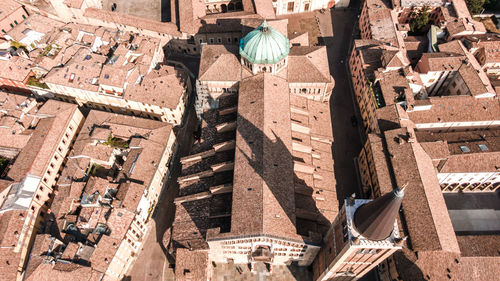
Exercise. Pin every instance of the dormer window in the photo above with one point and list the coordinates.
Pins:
(464, 148)
(483, 147)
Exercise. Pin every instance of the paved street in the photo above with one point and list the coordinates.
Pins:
(347, 144)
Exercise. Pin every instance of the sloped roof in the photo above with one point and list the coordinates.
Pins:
(471, 163)
(163, 87)
(263, 170)
(308, 64)
(375, 219)
(219, 63)
(391, 59)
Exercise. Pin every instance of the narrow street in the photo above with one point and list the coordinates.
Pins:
(337, 28)
(347, 143)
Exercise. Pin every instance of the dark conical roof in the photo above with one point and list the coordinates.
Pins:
(375, 219)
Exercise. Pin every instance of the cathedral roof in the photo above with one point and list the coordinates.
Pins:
(264, 45)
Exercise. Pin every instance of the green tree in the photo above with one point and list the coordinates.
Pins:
(475, 6)
(3, 164)
(116, 142)
(419, 21)
(492, 5)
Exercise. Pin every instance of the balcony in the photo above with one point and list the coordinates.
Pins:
(377, 94)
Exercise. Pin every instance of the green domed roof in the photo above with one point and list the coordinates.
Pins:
(264, 45)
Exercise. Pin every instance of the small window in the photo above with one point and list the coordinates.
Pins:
(11, 25)
(464, 148)
(228, 39)
(201, 40)
(16, 22)
(483, 147)
(219, 40)
(211, 40)
(24, 17)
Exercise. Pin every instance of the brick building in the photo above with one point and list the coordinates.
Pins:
(105, 196)
(11, 14)
(35, 141)
(258, 187)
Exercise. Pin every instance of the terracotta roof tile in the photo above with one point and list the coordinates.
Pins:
(457, 109)
(261, 147)
(191, 265)
(164, 87)
(381, 22)
(107, 16)
(81, 71)
(472, 163)
(77, 4)
(16, 68)
(308, 64)
(219, 63)
(425, 213)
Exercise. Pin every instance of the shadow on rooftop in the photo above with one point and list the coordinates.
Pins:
(253, 136)
(407, 263)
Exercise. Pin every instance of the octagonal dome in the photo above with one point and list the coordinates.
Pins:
(264, 45)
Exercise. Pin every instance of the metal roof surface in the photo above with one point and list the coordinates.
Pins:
(264, 45)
